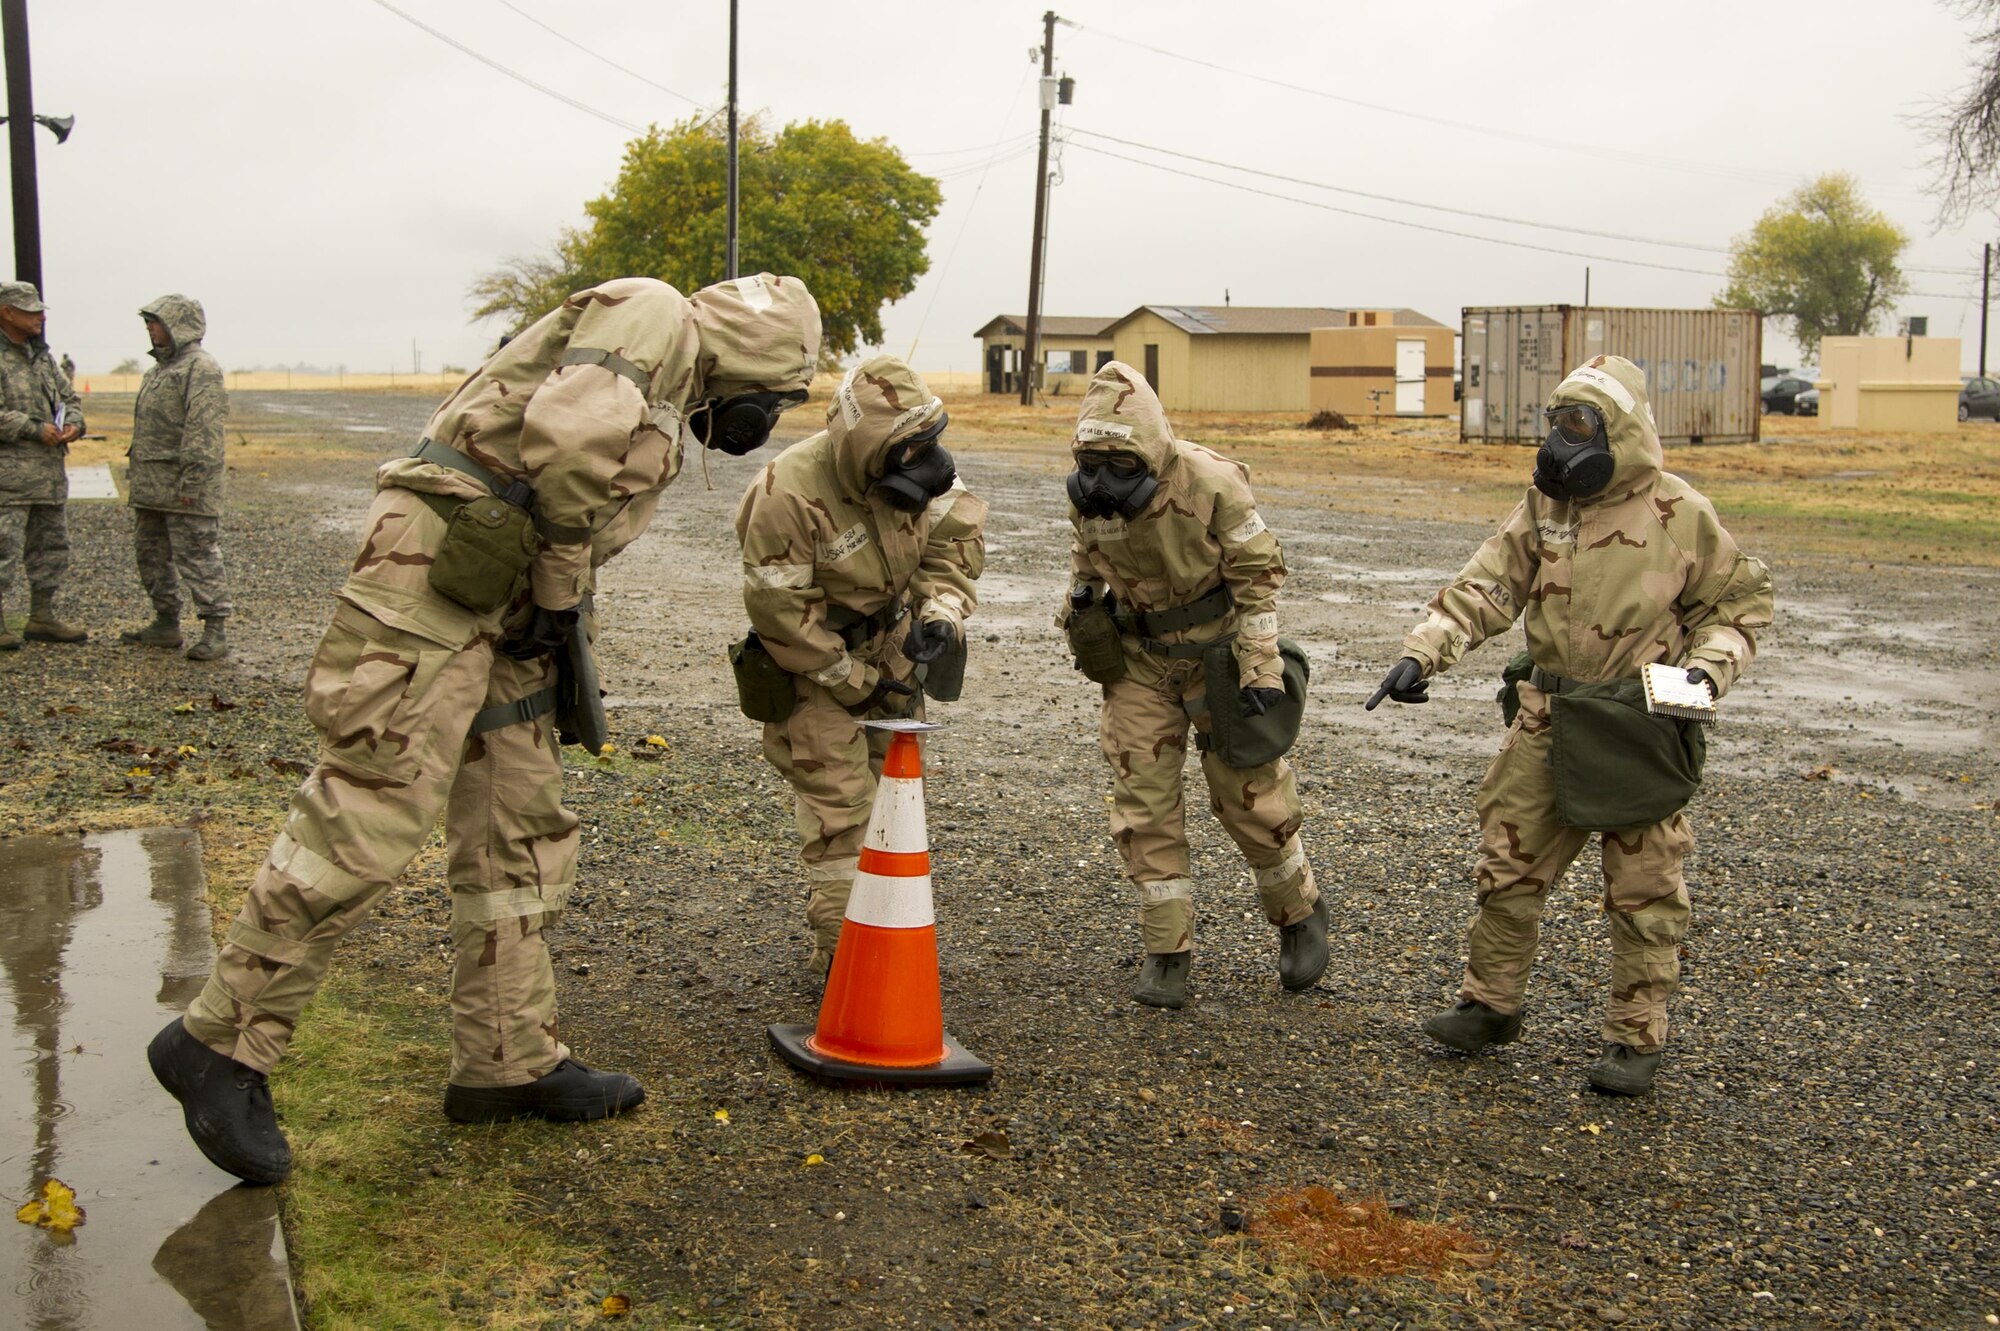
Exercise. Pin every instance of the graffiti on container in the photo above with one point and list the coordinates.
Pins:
(1687, 376)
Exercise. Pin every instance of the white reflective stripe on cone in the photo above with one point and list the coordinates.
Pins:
(897, 822)
(891, 903)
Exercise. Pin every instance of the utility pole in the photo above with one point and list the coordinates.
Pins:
(1985, 291)
(1048, 98)
(1586, 286)
(729, 259)
(21, 144)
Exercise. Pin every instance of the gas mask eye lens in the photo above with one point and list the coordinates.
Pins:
(1576, 422)
(1125, 466)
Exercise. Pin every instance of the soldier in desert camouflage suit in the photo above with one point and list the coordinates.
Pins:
(841, 577)
(426, 706)
(174, 484)
(1197, 533)
(33, 485)
(1638, 571)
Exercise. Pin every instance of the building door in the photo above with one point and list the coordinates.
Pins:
(1409, 376)
(1153, 367)
(996, 369)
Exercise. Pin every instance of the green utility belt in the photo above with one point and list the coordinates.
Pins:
(855, 630)
(1617, 765)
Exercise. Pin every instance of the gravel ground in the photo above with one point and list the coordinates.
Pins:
(1821, 1150)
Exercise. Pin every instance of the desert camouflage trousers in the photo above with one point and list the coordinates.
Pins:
(832, 762)
(180, 548)
(394, 710)
(1143, 731)
(34, 538)
(1523, 850)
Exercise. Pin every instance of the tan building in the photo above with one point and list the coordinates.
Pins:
(1383, 363)
(1889, 383)
(1072, 348)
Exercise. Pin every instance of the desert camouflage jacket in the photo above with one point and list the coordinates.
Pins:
(815, 536)
(1200, 530)
(31, 389)
(179, 419)
(586, 405)
(1640, 572)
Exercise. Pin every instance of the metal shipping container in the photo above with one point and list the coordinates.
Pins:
(1701, 367)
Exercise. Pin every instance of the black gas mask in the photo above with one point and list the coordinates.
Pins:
(1575, 460)
(740, 423)
(1111, 482)
(917, 470)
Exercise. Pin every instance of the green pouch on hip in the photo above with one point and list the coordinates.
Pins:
(1519, 667)
(764, 689)
(1093, 640)
(1252, 741)
(485, 554)
(943, 678)
(1616, 764)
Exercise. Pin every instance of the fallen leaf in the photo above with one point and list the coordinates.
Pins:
(187, 750)
(140, 771)
(57, 1210)
(722, 1117)
(656, 742)
(608, 751)
(992, 1145)
(184, 709)
(218, 703)
(287, 766)
(1573, 1240)
(815, 1159)
(615, 1305)
(1824, 772)
(1594, 1129)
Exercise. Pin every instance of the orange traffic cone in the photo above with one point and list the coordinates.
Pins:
(882, 1019)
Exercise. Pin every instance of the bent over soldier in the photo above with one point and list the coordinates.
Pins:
(40, 417)
(432, 692)
(860, 550)
(174, 484)
(1178, 577)
(1610, 563)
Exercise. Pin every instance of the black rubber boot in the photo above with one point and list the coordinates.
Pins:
(1470, 1026)
(226, 1105)
(1623, 1070)
(1302, 953)
(1163, 979)
(572, 1093)
(164, 631)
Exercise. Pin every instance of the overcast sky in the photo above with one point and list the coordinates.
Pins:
(328, 177)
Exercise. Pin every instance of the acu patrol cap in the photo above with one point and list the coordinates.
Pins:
(21, 296)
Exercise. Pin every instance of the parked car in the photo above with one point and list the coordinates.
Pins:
(1979, 397)
(1782, 395)
(1806, 403)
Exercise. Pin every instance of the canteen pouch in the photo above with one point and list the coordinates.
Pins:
(485, 554)
(1519, 667)
(1617, 765)
(944, 677)
(1252, 741)
(764, 689)
(1093, 640)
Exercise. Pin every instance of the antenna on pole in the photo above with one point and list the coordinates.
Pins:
(729, 258)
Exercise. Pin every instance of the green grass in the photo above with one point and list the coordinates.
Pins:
(399, 1220)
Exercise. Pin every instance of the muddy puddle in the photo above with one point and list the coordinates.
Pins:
(102, 940)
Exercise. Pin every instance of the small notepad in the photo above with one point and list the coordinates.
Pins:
(1668, 693)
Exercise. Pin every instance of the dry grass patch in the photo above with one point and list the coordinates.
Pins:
(1364, 1241)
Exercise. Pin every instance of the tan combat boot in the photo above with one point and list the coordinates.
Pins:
(43, 626)
(164, 631)
(213, 646)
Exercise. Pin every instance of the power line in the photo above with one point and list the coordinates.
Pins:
(603, 58)
(514, 74)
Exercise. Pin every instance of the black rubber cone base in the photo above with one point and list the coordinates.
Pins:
(957, 1069)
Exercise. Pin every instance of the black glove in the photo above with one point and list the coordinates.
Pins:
(929, 639)
(1405, 682)
(885, 688)
(545, 633)
(1256, 701)
(1696, 675)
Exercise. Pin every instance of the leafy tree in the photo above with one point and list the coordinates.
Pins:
(1968, 129)
(1822, 262)
(845, 215)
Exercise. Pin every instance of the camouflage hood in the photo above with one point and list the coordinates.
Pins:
(1121, 412)
(758, 334)
(879, 403)
(186, 324)
(1617, 387)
